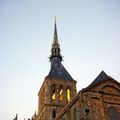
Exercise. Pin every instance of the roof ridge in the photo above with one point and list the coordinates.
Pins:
(100, 78)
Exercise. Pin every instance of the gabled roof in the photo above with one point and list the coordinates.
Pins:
(102, 77)
(58, 70)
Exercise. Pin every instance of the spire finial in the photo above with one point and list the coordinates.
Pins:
(55, 19)
(55, 31)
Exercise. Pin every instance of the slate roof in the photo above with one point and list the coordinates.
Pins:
(100, 78)
(58, 70)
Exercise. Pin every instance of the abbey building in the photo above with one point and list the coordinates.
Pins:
(58, 98)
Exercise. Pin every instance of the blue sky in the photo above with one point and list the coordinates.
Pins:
(89, 36)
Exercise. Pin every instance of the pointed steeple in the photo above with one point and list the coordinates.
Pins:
(55, 31)
(57, 69)
(55, 51)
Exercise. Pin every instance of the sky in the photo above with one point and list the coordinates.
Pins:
(89, 37)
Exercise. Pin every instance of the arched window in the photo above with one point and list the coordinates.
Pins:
(54, 114)
(113, 113)
(61, 93)
(68, 94)
(87, 111)
(53, 93)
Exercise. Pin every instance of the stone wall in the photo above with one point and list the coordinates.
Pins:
(100, 102)
(47, 106)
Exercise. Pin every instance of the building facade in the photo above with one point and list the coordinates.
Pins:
(58, 98)
(99, 101)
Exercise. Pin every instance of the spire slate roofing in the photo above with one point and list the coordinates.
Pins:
(57, 69)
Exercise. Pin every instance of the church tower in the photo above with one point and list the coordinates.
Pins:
(58, 87)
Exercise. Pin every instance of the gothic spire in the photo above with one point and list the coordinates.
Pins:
(55, 32)
(57, 69)
(55, 51)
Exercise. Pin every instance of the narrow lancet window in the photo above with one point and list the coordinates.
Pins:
(61, 94)
(53, 93)
(68, 94)
(54, 113)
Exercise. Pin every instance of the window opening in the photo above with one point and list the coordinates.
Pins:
(61, 94)
(68, 94)
(113, 113)
(54, 114)
(53, 93)
(87, 113)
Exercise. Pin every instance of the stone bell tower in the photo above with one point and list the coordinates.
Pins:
(58, 87)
